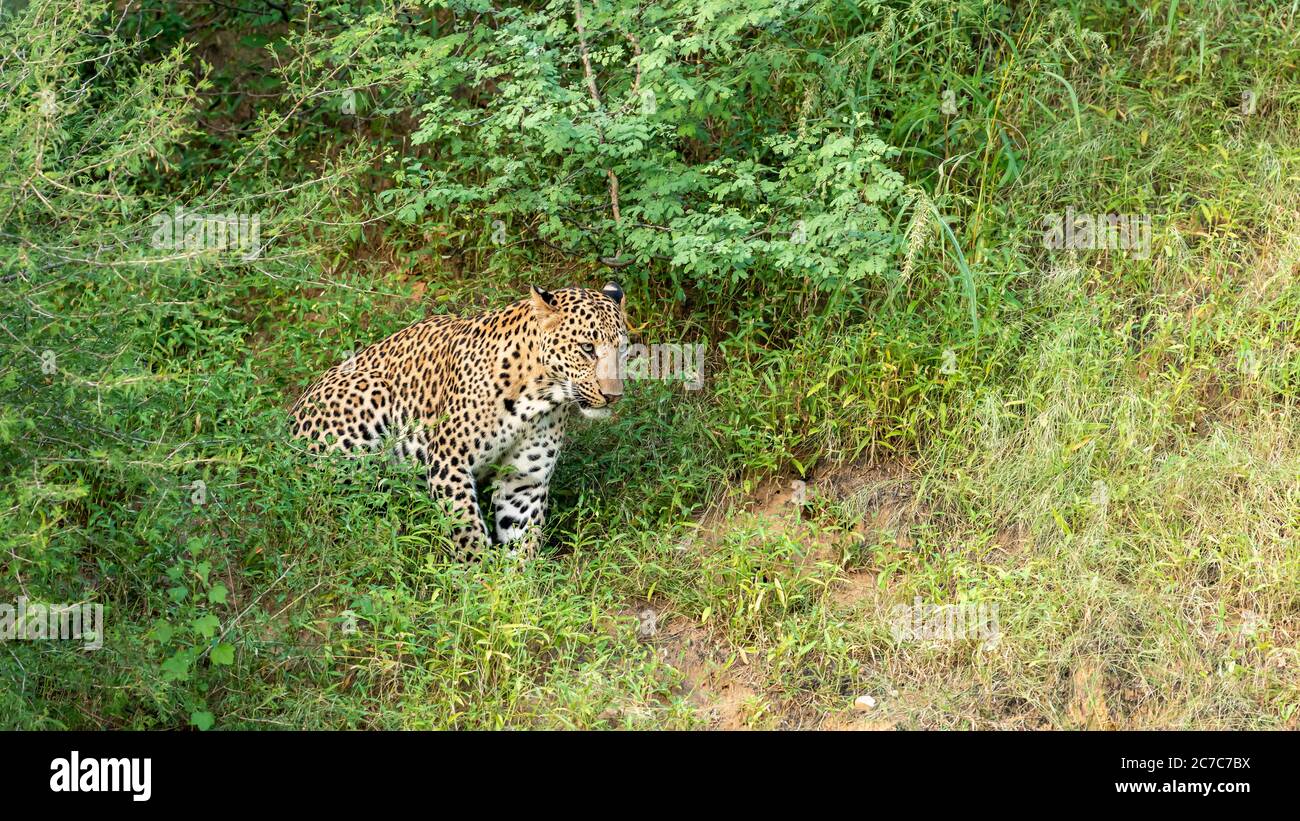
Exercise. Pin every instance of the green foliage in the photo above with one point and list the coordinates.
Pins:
(841, 199)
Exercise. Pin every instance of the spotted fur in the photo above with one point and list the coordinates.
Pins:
(475, 398)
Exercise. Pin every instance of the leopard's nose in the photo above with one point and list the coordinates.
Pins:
(611, 389)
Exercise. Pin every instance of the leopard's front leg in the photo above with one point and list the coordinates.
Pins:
(450, 478)
(519, 502)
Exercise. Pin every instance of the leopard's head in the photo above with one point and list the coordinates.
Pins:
(584, 332)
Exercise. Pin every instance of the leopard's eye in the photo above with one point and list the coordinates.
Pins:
(589, 348)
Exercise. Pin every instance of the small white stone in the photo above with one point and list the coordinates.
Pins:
(864, 703)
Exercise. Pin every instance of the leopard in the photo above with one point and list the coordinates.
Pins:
(476, 400)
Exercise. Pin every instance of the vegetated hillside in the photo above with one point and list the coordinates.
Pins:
(914, 394)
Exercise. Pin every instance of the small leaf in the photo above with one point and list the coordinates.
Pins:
(223, 653)
(162, 631)
(177, 668)
(206, 626)
(202, 719)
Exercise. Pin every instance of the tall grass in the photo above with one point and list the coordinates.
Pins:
(1100, 444)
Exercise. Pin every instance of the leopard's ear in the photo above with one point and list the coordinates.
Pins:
(543, 301)
(614, 292)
